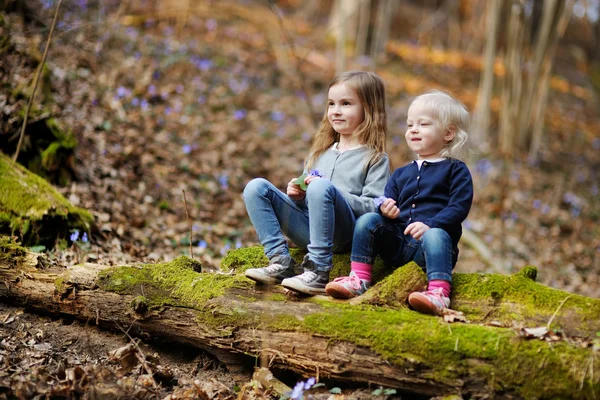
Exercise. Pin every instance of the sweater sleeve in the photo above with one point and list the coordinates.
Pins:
(459, 204)
(375, 180)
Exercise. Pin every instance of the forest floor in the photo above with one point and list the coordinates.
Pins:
(160, 109)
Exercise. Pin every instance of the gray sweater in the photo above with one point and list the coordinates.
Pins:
(347, 172)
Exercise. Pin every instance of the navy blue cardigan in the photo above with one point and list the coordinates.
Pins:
(439, 195)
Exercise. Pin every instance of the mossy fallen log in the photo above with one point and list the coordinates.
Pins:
(374, 339)
(33, 210)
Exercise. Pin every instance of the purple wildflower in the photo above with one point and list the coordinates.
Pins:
(74, 236)
(239, 114)
(379, 200)
(187, 149)
(277, 116)
(84, 238)
(296, 393)
(316, 173)
(309, 383)
(202, 244)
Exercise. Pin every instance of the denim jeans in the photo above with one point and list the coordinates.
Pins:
(323, 222)
(377, 235)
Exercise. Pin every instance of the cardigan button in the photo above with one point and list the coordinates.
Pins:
(414, 205)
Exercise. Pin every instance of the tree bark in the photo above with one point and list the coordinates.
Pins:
(372, 340)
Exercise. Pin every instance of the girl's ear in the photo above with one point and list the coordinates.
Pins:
(450, 133)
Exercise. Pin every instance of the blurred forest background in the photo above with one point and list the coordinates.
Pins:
(141, 101)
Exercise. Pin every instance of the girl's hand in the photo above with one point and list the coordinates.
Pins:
(388, 209)
(294, 191)
(416, 230)
(310, 178)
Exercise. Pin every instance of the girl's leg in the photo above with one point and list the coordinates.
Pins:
(331, 223)
(438, 256)
(272, 214)
(373, 234)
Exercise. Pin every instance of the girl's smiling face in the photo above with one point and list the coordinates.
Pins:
(425, 134)
(345, 112)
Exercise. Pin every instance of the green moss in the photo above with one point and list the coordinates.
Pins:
(240, 260)
(174, 283)
(31, 208)
(11, 253)
(505, 292)
(414, 341)
(59, 284)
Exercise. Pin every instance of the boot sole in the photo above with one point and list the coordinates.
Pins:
(262, 278)
(423, 305)
(339, 292)
(300, 288)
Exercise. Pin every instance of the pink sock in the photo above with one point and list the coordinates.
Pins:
(444, 285)
(362, 270)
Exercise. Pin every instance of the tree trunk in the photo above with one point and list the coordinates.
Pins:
(373, 339)
(481, 121)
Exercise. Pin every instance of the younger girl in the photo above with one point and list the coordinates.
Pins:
(425, 203)
(347, 168)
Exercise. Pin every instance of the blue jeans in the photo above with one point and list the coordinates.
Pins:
(323, 222)
(377, 235)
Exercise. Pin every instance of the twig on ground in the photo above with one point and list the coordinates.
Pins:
(189, 222)
(141, 357)
(556, 312)
(38, 74)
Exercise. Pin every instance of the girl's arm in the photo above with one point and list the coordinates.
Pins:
(375, 180)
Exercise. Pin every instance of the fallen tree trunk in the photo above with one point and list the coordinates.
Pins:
(374, 339)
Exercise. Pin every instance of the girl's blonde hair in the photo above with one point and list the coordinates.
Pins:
(451, 113)
(372, 132)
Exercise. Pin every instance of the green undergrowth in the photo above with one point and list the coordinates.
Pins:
(33, 210)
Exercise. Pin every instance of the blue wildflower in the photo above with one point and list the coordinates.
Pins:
(239, 114)
(121, 92)
(202, 244)
(151, 90)
(187, 149)
(296, 393)
(277, 116)
(74, 236)
(309, 383)
(238, 244)
(144, 105)
(316, 173)
(537, 204)
(135, 102)
(223, 180)
(379, 200)
(84, 237)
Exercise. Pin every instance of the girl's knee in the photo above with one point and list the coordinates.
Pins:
(436, 236)
(319, 187)
(256, 185)
(368, 221)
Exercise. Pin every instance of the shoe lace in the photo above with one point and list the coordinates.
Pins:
(307, 276)
(274, 268)
(436, 295)
(353, 281)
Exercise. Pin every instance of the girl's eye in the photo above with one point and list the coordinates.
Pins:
(330, 103)
(346, 103)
